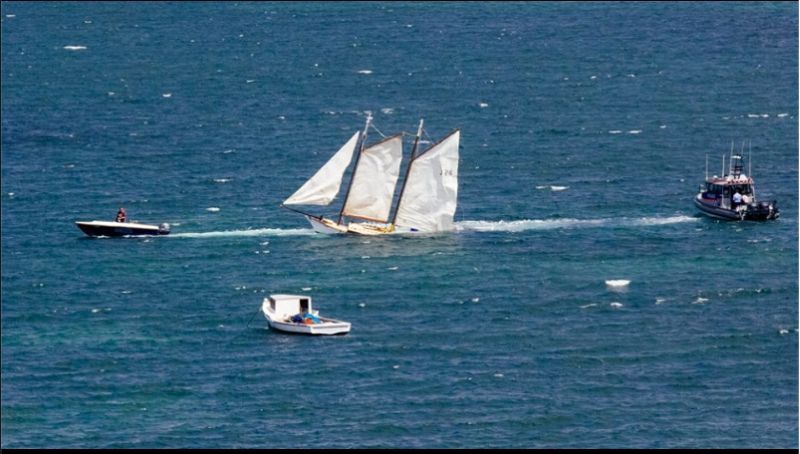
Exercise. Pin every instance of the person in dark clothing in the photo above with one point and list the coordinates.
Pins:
(121, 216)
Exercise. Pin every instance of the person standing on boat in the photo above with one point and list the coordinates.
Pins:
(121, 216)
(737, 199)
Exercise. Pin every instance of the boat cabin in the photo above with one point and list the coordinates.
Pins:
(722, 190)
(288, 305)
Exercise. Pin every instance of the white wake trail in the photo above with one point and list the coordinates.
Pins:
(567, 223)
(241, 233)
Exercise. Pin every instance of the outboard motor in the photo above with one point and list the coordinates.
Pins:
(163, 229)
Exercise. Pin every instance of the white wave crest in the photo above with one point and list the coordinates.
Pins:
(74, 47)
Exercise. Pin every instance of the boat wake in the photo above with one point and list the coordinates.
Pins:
(248, 232)
(567, 223)
(466, 226)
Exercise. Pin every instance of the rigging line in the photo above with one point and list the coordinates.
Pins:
(379, 131)
(246, 326)
(426, 135)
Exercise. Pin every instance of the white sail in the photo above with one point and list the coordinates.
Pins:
(428, 203)
(374, 180)
(322, 188)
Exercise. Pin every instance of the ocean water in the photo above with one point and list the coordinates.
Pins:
(585, 129)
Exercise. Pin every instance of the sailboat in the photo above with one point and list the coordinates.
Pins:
(428, 196)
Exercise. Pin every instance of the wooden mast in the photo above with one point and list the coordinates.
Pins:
(408, 170)
(355, 168)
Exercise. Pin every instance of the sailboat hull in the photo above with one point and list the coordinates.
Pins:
(322, 225)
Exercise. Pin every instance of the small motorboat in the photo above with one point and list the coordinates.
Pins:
(108, 228)
(294, 314)
(733, 195)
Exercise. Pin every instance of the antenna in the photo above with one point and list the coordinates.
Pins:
(723, 165)
(706, 166)
(750, 159)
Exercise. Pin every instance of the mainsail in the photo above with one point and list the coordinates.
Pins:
(374, 180)
(322, 188)
(429, 198)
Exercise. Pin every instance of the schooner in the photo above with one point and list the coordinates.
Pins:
(428, 195)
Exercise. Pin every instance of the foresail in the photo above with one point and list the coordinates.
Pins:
(429, 200)
(322, 188)
(374, 180)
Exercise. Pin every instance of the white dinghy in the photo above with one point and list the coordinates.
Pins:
(294, 314)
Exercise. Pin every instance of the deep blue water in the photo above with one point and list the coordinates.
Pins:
(585, 129)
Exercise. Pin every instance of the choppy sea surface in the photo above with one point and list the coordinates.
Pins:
(585, 129)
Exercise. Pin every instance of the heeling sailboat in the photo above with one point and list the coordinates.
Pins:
(427, 202)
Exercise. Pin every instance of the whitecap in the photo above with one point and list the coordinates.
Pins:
(764, 115)
(393, 268)
(365, 71)
(752, 115)
(475, 300)
(362, 305)
(618, 282)
(635, 131)
(542, 187)
(616, 305)
(221, 180)
(699, 300)
(11, 15)
(387, 110)
(365, 257)
(483, 104)
(615, 131)
(781, 115)
(71, 47)
(94, 311)
(660, 300)
(499, 375)
(212, 209)
(559, 188)
(663, 126)
(593, 77)
(588, 305)
(782, 332)
(166, 95)
(306, 289)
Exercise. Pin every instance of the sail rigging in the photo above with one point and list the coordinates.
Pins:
(322, 188)
(429, 199)
(374, 180)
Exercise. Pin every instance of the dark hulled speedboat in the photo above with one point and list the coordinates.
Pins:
(107, 228)
(733, 196)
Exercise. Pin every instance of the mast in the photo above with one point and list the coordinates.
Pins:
(355, 168)
(408, 170)
(706, 166)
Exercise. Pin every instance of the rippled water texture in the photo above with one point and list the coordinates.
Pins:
(585, 129)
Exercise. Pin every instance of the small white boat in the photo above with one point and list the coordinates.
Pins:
(294, 314)
(107, 228)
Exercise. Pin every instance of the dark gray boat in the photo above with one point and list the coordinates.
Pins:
(733, 195)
